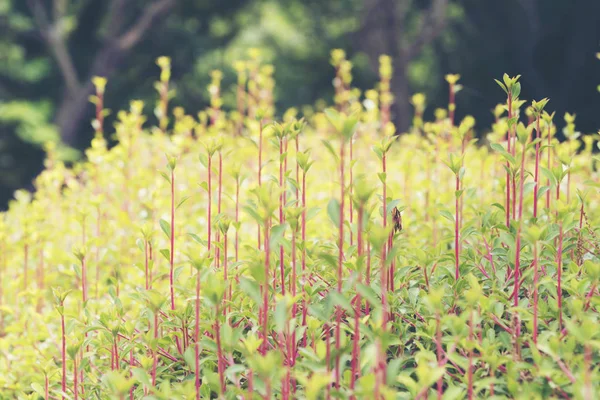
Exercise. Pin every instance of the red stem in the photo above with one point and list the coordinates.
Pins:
(64, 353)
(220, 360)
(172, 240)
(281, 220)
(356, 339)
(509, 139)
(559, 273)
(537, 167)
(517, 327)
(439, 351)
(470, 370)
(535, 292)
(237, 218)
(265, 310)
(338, 324)
(260, 150)
(75, 379)
(197, 383)
(548, 164)
(155, 355)
(456, 231)
(303, 236)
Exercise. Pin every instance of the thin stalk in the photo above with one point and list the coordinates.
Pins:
(297, 140)
(588, 390)
(172, 241)
(209, 211)
(197, 382)
(328, 357)
(172, 252)
(338, 324)
(220, 359)
(146, 264)
(265, 307)
(368, 276)
(237, 219)
(131, 374)
(537, 168)
(63, 353)
(303, 262)
(439, 352)
(117, 358)
(456, 231)
(75, 379)
(219, 202)
(559, 274)
(350, 188)
(281, 218)
(250, 385)
(150, 256)
(470, 370)
(384, 200)
(357, 305)
(509, 139)
(228, 292)
(260, 151)
(155, 351)
(384, 289)
(548, 164)
(517, 273)
(535, 292)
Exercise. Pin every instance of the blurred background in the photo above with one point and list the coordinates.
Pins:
(50, 49)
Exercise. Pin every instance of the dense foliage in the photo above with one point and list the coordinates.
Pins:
(50, 49)
(230, 255)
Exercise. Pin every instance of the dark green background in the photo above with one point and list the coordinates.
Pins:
(552, 43)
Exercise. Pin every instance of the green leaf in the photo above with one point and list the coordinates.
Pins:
(182, 201)
(142, 376)
(446, 214)
(167, 177)
(281, 315)
(333, 211)
(340, 300)
(516, 90)
(166, 254)
(501, 85)
(38, 389)
(330, 149)
(277, 233)
(165, 227)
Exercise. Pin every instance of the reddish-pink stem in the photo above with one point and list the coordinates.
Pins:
(281, 220)
(338, 324)
(172, 240)
(456, 231)
(559, 274)
(64, 352)
(537, 167)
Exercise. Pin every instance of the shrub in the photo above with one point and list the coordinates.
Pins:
(236, 255)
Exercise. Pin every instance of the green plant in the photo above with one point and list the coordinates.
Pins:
(439, 285)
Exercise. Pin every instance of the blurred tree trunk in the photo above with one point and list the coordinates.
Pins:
(384, 31)
(117, 43)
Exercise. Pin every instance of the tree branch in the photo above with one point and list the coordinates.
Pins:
(144, 22)
(53, 36)
(115, 18)
(106, 60)
(430, 27)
